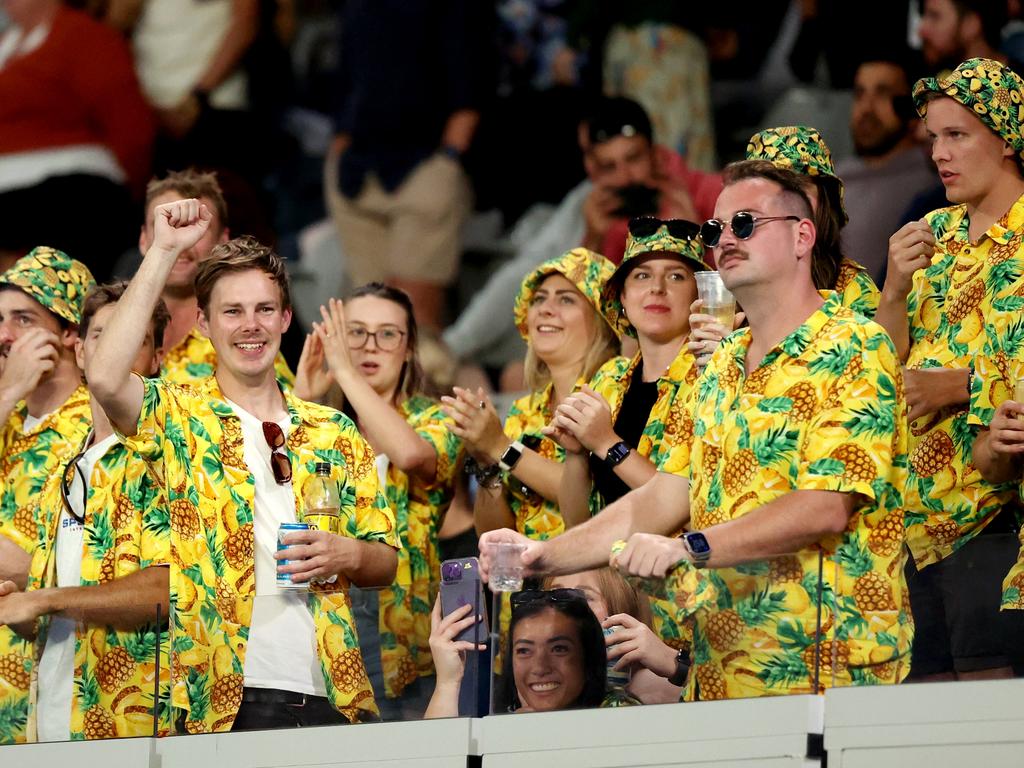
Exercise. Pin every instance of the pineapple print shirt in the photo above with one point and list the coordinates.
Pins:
(419, 506)
(194, 359)
(27, 460)
(948, 502)
(127, 528)
(192, 440)
(823, 411)
(856, 289)
(996, 370)
(612, 382)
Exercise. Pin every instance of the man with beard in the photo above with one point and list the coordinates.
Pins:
(891, 168)
(954, 30)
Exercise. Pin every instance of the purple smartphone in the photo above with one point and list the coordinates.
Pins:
(461, 585)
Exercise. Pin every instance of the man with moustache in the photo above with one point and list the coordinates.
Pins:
(951, 276)
(891, 168)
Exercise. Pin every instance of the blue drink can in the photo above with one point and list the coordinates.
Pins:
(284, 580)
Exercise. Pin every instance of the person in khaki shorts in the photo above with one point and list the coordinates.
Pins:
(409, 86)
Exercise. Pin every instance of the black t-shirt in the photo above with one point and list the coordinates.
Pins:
(636, 410)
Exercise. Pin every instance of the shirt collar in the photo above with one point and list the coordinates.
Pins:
(796, 342)
(1001, 231)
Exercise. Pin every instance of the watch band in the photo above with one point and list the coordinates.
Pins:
(682, 668)
(697, 546)
(617, 454)
(511, 456)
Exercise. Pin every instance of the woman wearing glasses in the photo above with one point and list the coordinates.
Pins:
(612, 430)
(369, 345)
(555, 657)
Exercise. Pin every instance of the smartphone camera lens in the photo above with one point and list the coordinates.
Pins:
(451, 572)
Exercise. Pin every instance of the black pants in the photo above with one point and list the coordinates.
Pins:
(266, 708)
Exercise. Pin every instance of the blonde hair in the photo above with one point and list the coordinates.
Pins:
(603, 346)
(619, 595)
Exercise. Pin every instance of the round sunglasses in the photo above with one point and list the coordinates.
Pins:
(646, 226)
(742, 224)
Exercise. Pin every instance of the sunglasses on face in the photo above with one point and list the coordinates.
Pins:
(279, 461)
(743, 225)
(550, 596)
(646, 226)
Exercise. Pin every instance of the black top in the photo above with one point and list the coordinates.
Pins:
(405, 66)
(636, 409)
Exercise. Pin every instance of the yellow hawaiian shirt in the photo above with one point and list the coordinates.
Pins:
(194, 359)
(996, 371)
(192, 440)
(856, 289)
(27, 460)
(612, 381)
(127, 528)
(419, 507)
(948, 502)
(823, 411)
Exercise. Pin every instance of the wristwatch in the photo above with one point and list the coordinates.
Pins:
(511, 456)
(617, 454)
(682, 668)
(697, 547)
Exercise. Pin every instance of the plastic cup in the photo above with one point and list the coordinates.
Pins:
(506, 567)
(718, 301)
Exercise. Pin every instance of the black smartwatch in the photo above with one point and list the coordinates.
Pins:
(617, 454)
(682, 668)
(511, 456)
(697, 546)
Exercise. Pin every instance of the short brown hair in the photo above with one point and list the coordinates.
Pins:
(110, 293)
(190, 183)
(240, 254)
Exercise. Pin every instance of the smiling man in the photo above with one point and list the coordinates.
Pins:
(233, 453)
(950, 274)
(784, 462)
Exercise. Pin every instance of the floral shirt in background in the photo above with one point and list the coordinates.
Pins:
(194, 359)
(823, 411)
(192, 440)
(856, 289)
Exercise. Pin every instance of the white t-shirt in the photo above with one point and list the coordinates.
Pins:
(31, 422)
(281, 652)
(57, 665)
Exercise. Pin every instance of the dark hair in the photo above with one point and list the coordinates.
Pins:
(992, 14)
(240, 255)
(111, 293)
(411, 380)
(905, 59)
(828, 219)
(190, 183)
(617, 116)
(591, 637)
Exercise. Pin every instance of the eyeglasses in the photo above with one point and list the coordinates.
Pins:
(387, 338)
(550, 596)
(646, 226)
(742, 223)
(279, 461)
(70, 470)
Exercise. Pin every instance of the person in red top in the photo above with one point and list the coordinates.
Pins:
(632, 176)
(74, 127)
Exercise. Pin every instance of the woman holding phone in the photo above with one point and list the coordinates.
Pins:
(368, 346)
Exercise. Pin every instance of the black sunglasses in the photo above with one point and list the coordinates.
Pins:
(279, 461)
(645, 226)
(742, 224)
(531, 596)
(67, 480)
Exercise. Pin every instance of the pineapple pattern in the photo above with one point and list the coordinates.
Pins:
(826, 412)
(180, 434)
(193, 359)
(26, 461)
(956, 306)
(612, 381)
(856, 289)
(419, 506)
(127, 528)
(996, 370)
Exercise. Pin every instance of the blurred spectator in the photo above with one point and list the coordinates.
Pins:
(618, 153)
(954, 30)
(75, 134)
(409, 89)
(891, 167)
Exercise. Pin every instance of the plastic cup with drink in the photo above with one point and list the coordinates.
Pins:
(716, 298)
(506, 572)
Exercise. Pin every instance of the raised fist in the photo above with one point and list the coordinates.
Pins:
(180, 225)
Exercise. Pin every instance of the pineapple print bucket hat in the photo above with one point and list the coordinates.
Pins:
(798, 148)
(689, 249)
(54, 279)
(586, 270)
(992, 91)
